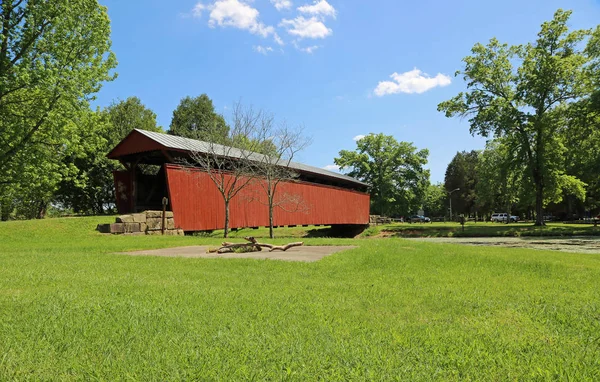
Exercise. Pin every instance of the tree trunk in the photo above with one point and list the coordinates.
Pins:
(538, 177)
(226, 233)
(41, 213)
(271, 235)
(4, 211)
(539, 203)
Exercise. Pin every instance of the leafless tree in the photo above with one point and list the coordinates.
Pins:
(232, 168)
(258, 151)
(283, 143)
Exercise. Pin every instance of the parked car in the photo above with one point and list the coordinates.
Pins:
(503, 217)
(419, 219)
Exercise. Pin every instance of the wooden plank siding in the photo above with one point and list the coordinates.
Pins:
(198, 206)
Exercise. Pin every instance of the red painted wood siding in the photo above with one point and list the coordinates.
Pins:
(198, 205)
(134, 143)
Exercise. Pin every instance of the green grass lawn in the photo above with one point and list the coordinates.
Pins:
(482, 230)
(389, 310)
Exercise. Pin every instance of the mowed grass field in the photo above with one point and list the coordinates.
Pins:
(391, 309)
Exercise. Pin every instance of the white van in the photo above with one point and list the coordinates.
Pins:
(502, 217)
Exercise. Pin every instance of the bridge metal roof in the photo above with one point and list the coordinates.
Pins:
(177, 143)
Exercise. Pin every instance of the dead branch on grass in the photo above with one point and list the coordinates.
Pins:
(252, 246)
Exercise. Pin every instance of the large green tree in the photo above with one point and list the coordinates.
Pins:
(518, 91)
(90, 189)
(126, 115)
(582, 133)
(435, 202)
(195, 118)
(395, 170)
(502, 183)
(54, 55)
(462, 173)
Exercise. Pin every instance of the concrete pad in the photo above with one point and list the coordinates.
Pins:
(304, 253)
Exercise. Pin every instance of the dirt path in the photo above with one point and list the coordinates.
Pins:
(572, 244)
(304, 253)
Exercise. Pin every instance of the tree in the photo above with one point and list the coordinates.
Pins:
(523, 102)
(54, 55)
(195, 118)
(462, 173)
(582, 137)
(393, 169)
(232, 168)
(279, 146)
(127, 115)
(91, 188)
(502, 181)
(435, 201)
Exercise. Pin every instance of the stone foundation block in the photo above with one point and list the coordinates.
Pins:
(139, 218)
(158, 214)
(125, 219)
(153, 224)
(132, 227)
(117, 228)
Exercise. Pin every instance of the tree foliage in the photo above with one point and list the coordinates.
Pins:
(195, 118)
(90, 189)
(127, 115)
(54, 55)
(395, 171)
(435, 201)
(502, 180)
(517, 92)
(462, 173)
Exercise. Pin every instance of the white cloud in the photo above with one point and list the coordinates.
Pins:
(262, 49)
(332, 167)
(319, 8)
(197, 11)
(411, 82)
(358, 137)
(308, 49)
(234, 13)
(282, 4)
(278, 39)
(306, 28)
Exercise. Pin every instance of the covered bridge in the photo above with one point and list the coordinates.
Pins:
(153, 171)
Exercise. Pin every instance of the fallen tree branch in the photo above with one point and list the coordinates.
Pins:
(285, 247)
(252, 246)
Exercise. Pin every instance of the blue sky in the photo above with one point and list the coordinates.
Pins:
(339, 68)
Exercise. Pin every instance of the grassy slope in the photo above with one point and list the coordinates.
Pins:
(483, 230)
(391, 309)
